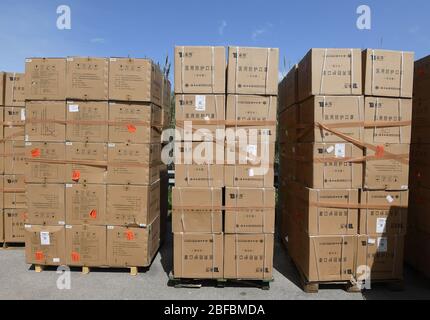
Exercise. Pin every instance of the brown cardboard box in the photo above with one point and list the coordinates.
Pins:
(137, 80)
(90, 162)
(2, 157)
(249, 210)
(133, 164)
(388, 73)
(391, 220)
(248, 256)
(253, 71)
(1, 197)
(2, 121)
(15, 116)
(252, 153)
(87, 78)
(14, 160)
(387, 174)
(201, 153)
(383, 255)
(288, 89)
(206, 176)
(45, 245)
(387, 110)
(14, 133)
(45, 79)
(198, 256)
(45, 121)
(420, 165)
(86, 204)
(14, 192)
(200, 70)
(164, 202)
(133, 205)
(422, 78)
(94, 125)
(38, 171)
(14, 90)
(192, 108)
(322, 166)
(2, 87)
(46, 204)
(419, 206)
(249, 176)
(86, 246)
(1, 227)
(287, 122)
(132, 247)
(133, 123)
(421, 118)
(331, 110)
(330, 72)
(14, 220)
(167, 94)
(197, 210)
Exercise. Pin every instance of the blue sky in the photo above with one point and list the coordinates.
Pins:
(152, 28)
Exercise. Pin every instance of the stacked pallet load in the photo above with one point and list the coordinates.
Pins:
(344, 164)
(12, 114)
(418, 236)
(93, 157)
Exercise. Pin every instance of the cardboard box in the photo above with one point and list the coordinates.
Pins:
(388, 73)
(419, 206)
(45, 121)
(390, 219)
(132, 247)
(45, 79)
(164, 202)
(422, 78)
(14, 220)
(205, 176)
(195, 109)
(421, 119)
(46, 204)
(134, 123)
(89, 162)
(288, 89)
(200, 70)
(14, 192)
(87, 78)
(2, 88)
(1, 227)
(38, 156)
(253, 71)
(324, 166)
(287, 124)
(14, 89)
(344, 113)
(86, 204)
(330, 72)
(14, 159)
(249, 176)
(86, 246)
(197, 210)
(133, 205)
(198, 256)
(45, 245)
(91, 121)
(249, 210)
(420, 165)
(382, 255)
(166, 94)
(14, 133)
(200, 153)
(1, 197)
(248, 256)
(2, 121)
(383, 172)
(137, 80)
(13, 126)
(387, 110)
(252, 153)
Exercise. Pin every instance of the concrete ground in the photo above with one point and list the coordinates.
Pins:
(19, 281)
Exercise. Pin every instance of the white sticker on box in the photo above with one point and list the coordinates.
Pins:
(111, 145)
(251, 172)
(330, 149)
(390, 199)
(28, 144)
(61, 223)
(404, 187)
(56, 260)
(69, 59)
(371, 241)
(110, 227)
(251, 149)
(28, 60)
(200, 103)
(69, 143)
(27, 226)
(339, 151)
(382, 244)
(26, 137)
(45, 239)
(22, 114)
(69, 227)
(73, 108)
(69, 185)
(381, 225)
(113, 59)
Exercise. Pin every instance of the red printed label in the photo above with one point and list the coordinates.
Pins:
(35, 153)
(130, 235)
(131, 128)
(39, 255)
(76, 175)
(380, 151)
(76, 257)
(93, 214)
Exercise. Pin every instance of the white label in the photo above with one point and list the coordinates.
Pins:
(69, 185)
(56, 260)
(27, 226)
(330, 149)
(251, 149)
(110, 227)
(339, 151)
(200, 103)
(404, 187)
(28, 144)
(111, 145)
(61, 223)
(142, 225)
(73, 108)
(390, 199)
(22, 114)
(69, 143)
(371, 241)
(382, 244)
(28, 60)
(381, 225)
(113, 59)
(45, 240)
(26, 137)
(251, 172)
(69, 59)
(69, 227)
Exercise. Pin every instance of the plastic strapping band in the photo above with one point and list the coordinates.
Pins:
(323, 70)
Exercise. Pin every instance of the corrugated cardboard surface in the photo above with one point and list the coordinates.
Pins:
(198, 256)
(45, 79)
(248, 176)
(251, 108)
(46, 204)
(14, 192)
(287, 121)
(250, 153)
(45, 172)
(200, 70)
(2, 88)
(14, 161)
(1, 226)
(421, 118)
(45, 121)
(288, 89)
(197, 210)
(14, 90)
(14, 220)
(45, 245)
(199, 176)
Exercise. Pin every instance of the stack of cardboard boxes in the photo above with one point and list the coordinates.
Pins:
(418, 237)
(92, 146)
(12, 114)
(224, 200)
(344, 162)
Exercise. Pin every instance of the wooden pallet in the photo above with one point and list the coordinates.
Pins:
(218, 283)
(134, 271)
(12, 246)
